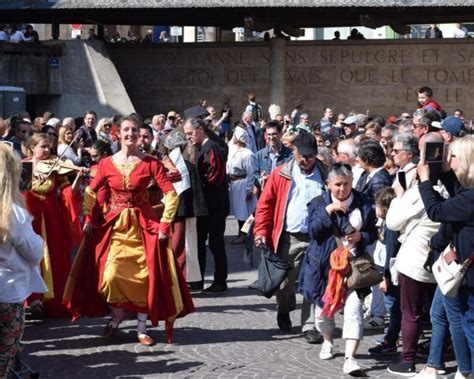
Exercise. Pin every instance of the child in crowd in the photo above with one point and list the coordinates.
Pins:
(386, 249)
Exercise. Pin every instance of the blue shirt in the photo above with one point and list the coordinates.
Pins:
(304, 188)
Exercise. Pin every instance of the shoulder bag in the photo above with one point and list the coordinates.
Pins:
(363, 272)
(449, 273)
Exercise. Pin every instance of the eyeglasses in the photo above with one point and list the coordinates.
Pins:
(397, 151)
(416, 126)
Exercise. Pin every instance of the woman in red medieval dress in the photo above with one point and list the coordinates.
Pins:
(54, 205)
(135, 265)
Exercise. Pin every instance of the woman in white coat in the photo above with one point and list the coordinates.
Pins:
(240, 172)
(21, 251)
(407, 215)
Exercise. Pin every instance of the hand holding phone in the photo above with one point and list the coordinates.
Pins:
(402, 179)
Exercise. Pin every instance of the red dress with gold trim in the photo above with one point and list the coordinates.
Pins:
(135, 270)
(55, 212)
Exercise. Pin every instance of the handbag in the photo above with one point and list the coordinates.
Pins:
(363, 272)
(272, 271)
(449, 273)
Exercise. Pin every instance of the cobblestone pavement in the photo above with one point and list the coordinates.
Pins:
(230, 336)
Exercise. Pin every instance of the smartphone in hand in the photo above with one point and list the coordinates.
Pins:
(402, 179)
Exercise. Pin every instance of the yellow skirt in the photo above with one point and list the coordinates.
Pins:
(125, 278)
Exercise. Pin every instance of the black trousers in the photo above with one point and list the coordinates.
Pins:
(213, 226)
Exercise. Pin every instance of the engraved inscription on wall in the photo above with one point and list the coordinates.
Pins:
(381, 78)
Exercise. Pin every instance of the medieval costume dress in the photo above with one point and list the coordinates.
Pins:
(55, 218)
(135, 270)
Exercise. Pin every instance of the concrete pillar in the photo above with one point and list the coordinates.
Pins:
(277, 71)
(55, 31)
(100, 32)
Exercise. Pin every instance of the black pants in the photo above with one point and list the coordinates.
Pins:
(213, 226)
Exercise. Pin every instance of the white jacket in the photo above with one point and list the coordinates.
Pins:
(19, 260)
(407, 215)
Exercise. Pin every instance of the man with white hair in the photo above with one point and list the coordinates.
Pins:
(210, 164)
(347, 153)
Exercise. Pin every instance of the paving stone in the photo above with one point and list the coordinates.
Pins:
(230, 336)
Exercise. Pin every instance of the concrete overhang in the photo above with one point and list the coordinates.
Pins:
(224, 14)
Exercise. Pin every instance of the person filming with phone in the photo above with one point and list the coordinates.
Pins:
(458, 213)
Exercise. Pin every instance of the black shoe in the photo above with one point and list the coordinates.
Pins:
(195, 287)
(312, 336)
(384, 349)
(284, 322)
(402, 368)
(215, 289)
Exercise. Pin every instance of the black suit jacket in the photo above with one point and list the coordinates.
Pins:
(380, 180)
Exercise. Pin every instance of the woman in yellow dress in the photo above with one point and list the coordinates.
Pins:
(136, 266)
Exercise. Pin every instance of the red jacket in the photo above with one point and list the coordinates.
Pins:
(431, 104)
(271, 207)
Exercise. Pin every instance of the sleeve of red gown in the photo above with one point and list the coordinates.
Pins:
(171, 198)
(71, 210)
(90, 193)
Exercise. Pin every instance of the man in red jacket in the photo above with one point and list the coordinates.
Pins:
(281, 224)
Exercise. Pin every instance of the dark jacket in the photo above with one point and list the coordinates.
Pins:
(192, 202)
(438, 33)
(458, 211)
(261, 162)
(210, 165)
(315, 267)
(380, 180)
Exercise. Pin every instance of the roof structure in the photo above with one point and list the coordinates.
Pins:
(231, 13)
(130, 4)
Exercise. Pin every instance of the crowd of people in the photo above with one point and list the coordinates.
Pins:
(139, 200)
(18, 33)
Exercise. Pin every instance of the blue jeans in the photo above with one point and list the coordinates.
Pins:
(392, 305)
(446, 313)
(466, 300)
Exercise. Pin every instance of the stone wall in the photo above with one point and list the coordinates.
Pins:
(377, 76)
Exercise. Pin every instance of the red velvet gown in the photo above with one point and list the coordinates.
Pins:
(55, 214)
(167, 294)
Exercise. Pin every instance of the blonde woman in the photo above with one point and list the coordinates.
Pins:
(21, 251)
(103, 129)
(65, 137)
(456, 215)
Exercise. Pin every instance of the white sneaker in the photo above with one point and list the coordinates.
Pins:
(350, 366)
(374, 323)
(458, 375)
(424, 375)
(326, 351)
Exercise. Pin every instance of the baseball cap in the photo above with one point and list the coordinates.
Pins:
(306, 144)
(453, 125)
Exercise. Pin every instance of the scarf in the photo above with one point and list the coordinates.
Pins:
(335, 290)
